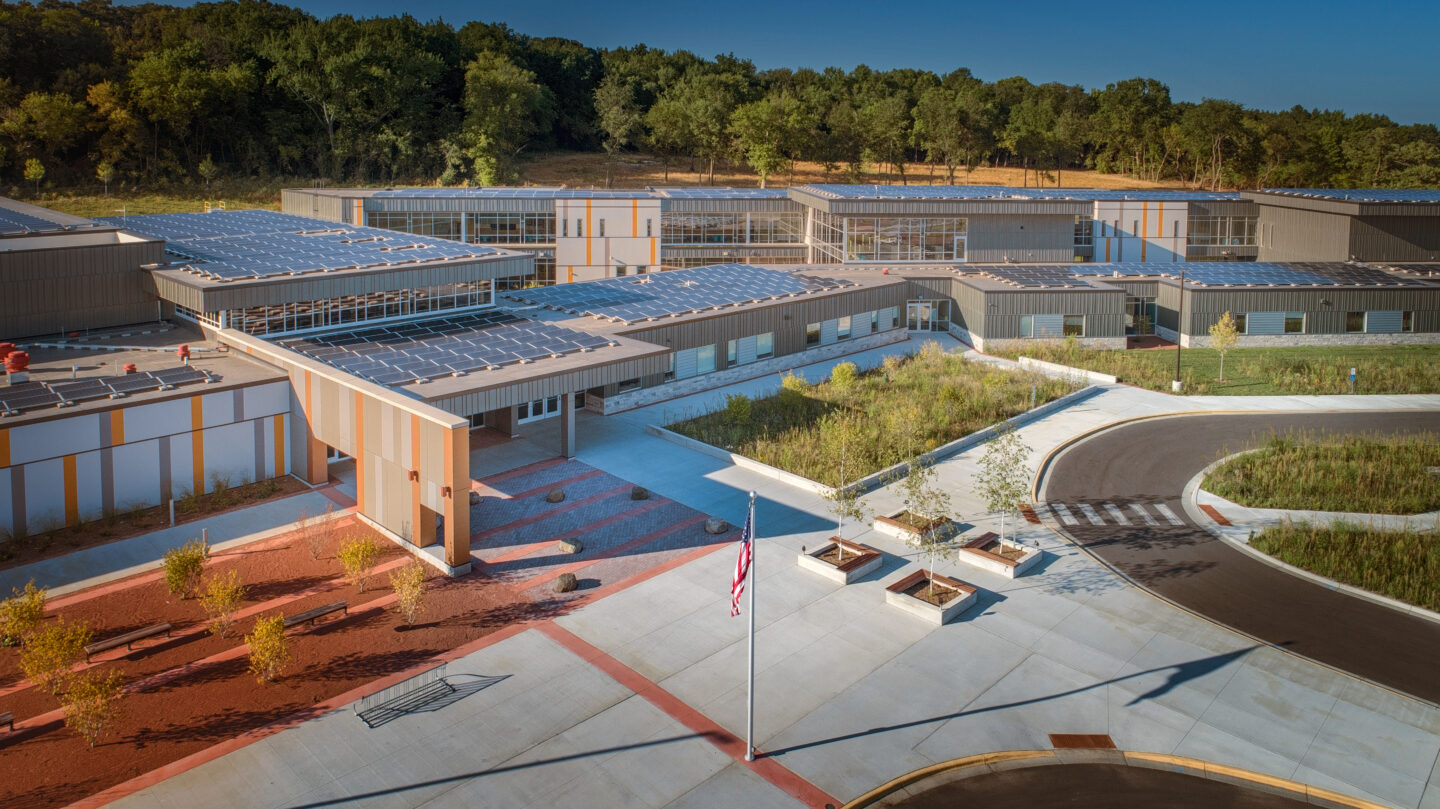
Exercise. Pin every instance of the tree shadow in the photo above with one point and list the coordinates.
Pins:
(258, 593)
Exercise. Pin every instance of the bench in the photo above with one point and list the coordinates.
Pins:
(125, 640)
(8, 720)
(309, 616)
(981, 541)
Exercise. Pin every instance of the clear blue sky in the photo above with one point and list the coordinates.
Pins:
(1377, 56)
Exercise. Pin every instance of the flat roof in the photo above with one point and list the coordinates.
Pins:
(226, 246)
(22, 219)
(1255, 273)
(723, 193)
(512, 192)
(634, 299)
(1001, 192)
(1392, 195)
(99, 382)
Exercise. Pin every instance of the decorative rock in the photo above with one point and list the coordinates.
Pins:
(474, 498)
(565, 582)
(639, 493)
(571, 546)
(555, 496)
(716, 525)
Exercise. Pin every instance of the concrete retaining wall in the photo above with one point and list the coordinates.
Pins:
(1066, 372)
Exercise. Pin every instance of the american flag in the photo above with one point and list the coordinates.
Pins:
(742, 563)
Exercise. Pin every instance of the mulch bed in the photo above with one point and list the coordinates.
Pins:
(940, 596)
(1004, 551)
(176, 715)
(23, 551)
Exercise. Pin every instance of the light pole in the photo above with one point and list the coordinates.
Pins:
(1179, 332)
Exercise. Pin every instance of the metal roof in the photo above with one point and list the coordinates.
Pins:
(1393, 195)
(19, 219)
(504, 192)
(1000, 192)
(723, 193)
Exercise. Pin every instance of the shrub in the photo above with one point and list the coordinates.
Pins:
(269, 648)
(409, 585)
(843, 376)
(50, 653)
(793, 388)
(92, 703)
(183, 566)
(317, 531)
(221, 600)
(358, 555)
(737, 408)
(21, 613)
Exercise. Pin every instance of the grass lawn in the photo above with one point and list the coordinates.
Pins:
(235, 194)
(1256, 371)
(1404, 565)
(875, 420)
(1356, 473)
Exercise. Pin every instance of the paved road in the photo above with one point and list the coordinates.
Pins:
(1093, 786)
(1118, 493)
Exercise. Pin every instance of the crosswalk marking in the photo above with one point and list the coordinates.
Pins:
(1168, 514)
(1064, 513)
(1139, 509)
(1117, 514)
(1091, 514)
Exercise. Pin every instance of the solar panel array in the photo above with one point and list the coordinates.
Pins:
(448, 346)
(978, 192)
(500, 192)
(722, 193)
(1028, 276)
(1253, 273)
(13, 222)
(677, 292)
(34, 395)
(241, 245)
(1399, 195)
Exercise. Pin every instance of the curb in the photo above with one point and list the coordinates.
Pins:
(986, 763)
(1190, 500)
(1059, 449)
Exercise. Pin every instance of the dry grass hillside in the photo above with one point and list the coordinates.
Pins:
(587, 170)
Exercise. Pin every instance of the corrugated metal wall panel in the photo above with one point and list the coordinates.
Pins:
(47, 290)
(1028, 238)
(1396, 238)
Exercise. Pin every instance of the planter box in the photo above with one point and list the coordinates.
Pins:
(902, 525)
(860, 561)
(964, 597)
(1008, 559)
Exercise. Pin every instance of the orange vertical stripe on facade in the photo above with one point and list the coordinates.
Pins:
(197, 444)
(1107, 249)
(634, 218)
(360, 451)
(589, 235)
(279, 444)
(117, 427)
(652, 253)
(72, 492)
(1160, 222)
(4, 448)
(570, 275)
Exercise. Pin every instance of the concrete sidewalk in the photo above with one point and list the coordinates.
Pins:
(630, 700)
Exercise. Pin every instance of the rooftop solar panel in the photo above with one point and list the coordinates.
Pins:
(1253, 273)
(1398, 195)
(722, 193)
(239, 245)
(985, 192)
(32, 395)
(499, 192)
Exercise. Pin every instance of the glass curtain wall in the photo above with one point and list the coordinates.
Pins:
(897, 239)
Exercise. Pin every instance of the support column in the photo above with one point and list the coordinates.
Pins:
(567, 425)
(503, 420)
(457, 504)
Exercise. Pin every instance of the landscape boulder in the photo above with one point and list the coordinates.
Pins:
(716, 525)
(565, 582)
(639, 493)
(555, 496)
(571, 546)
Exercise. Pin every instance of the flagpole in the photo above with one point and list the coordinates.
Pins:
(750, 692)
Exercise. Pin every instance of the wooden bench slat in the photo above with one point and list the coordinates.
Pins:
(318, 612)
(125, 640)
(8, 720)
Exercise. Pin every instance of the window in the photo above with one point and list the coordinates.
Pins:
(875, 321)
(620, 271)
(842, 329)
(564, 228)
(705, 359)
(765, 345)
(731, 352)
(641, 269)
(1074, 326)
(579, 228)
(1294, 322)
(812, 334)
(633, 384)
(1407, 321)
(1354, 322)
(602, 228)
(1027, 326)
(1239, 323)
(649, 228)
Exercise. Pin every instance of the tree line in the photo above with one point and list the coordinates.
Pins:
(90, 91)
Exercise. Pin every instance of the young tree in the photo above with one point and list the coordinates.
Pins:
(183, 566)
(50, 653)
(105, 172)
(1004, 479)
(269, 648)
(221, 600)
(409, 585)
(21, 613)
(208, 170)
(317, 531)
(357, 556)
(840, 438)
(926, 500)
(620, 116)
(1223, 336)
(35, 172)
(92, 703)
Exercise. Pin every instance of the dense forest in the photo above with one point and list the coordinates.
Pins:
(96, 93)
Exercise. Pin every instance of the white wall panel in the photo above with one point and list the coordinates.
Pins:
(230, 452)
(181, 464)
(45, 495)
(52, 439)
(154, 420)
(89, 496)
(137, 474)
(266, 400)
(7, 505)
(217, 408)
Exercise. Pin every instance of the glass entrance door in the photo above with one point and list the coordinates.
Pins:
(918, 315)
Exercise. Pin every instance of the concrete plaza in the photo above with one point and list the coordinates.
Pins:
(636, 699)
